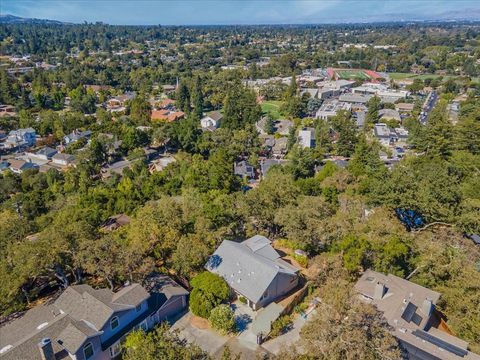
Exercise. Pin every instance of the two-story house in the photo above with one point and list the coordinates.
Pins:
(254, 270)
(413, 318)
(84, 323)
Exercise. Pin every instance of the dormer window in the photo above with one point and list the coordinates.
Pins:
(88, 351)
(114, 323)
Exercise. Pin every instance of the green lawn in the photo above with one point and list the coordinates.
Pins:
(272, 108)
(402, 76)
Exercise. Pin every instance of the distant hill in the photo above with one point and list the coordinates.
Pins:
(12, 19)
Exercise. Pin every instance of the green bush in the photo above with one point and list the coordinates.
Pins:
(242, 299)
(280, 325)
(302, 260)
(222, 319)
(208, 291)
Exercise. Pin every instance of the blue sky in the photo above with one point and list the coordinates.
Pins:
(188, 12)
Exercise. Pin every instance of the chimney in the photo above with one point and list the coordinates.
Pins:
(46, 349)
(427, 306)
(380, 290)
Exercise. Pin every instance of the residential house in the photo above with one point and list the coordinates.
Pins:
(412, 315)
(45, 153)
(76, 135)
(166, 115)
(118, 103)
(21, 138)
(383, 133)
(266, 164)
(281, 127)
(19, 166)
(280, 147)
(90, 324)
(63, 159)
(254, 270)
(160, 163)
(306, 138)
(244, 169)
(212, 120)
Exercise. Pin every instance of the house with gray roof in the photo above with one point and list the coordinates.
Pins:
(84, 323)
(45, 153)
(414, 320)
(254, 270)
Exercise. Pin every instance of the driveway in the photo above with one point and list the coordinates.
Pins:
(244, 317)
(290, 338)
(207, 339)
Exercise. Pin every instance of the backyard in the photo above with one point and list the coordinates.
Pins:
(272, 108)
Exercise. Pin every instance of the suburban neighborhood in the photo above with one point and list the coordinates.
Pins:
(214, 180)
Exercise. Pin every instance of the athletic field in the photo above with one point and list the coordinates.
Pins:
(353, 74)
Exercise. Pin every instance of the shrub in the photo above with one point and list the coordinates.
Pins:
(302, 260)
(279, 325)
(208, 291)
(222, 319)
(242, 299)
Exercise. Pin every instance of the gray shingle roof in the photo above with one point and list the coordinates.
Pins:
(248, 267)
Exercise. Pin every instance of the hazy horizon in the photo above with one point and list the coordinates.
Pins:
(240, 12)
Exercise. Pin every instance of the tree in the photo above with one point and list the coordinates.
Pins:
(139, 109)
(161, 343)
(269, 125)
(183, 97)
(208, 291)
(346, 328)
(373, 105)
(82, 101)
(197, 97)
(344, 125)
(240, 107)
(222, 319)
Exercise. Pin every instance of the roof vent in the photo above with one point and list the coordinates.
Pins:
(42, 325)
(5, 348)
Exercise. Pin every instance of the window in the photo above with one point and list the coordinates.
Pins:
(143, 325)
(88, 351)
(115, 349)
(138, 307)
(114, 323)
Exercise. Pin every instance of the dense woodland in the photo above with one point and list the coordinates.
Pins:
(344, 218)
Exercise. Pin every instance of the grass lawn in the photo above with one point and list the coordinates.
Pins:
(272, 108)
(402, 76)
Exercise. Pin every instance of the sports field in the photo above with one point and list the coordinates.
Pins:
(353, 74)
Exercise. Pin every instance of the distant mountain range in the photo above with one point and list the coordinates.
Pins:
(12, 19)
(470, 15)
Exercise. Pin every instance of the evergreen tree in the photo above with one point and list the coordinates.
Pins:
(183, 97)
(197, 97)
